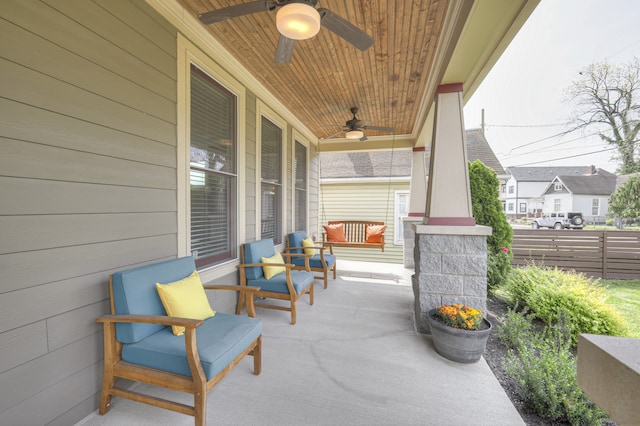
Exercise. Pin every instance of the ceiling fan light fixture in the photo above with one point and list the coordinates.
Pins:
(354, 134)
(298, 21)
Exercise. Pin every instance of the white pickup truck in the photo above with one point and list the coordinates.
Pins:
(559, 220)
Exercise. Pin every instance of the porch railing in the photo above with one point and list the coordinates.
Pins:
(602, 254)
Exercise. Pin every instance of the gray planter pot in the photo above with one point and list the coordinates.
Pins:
(465, 346)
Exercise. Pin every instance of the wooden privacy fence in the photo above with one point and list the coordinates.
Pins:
(602, 254)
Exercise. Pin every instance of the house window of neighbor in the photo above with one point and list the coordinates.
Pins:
(213, 170)
(401, 210)
(557, 186)
(510, 207)
(300, 173)
(595, 207)
(523, 208)
(557, 204)
(503, 188)
(510, 189)
(271, 181)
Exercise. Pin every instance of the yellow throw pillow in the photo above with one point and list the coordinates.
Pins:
(186, 299)
(270, 271)
(308, 242)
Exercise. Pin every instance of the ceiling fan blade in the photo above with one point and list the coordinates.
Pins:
(234, 11)
(333, 135)
(360, 123)
(382, 129)
(345, 29)
(284, 50)
(363, 138)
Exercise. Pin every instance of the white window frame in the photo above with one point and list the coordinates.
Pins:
(557, 204)
(263, 110)
(188, 53)
(557, 186)
(298, 138)
(398, 228)
(595, 203)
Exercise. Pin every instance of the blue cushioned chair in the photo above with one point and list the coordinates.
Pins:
(319, 262)
(289, 285)
(139, 344)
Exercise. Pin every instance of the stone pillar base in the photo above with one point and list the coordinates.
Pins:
(451, 267)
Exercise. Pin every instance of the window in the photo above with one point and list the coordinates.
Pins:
(401, 210)
(300, 175)
(213, 170)
(523, 208)
(510, 209)
(557, 186)
(504, 206)
(510, 189)
(271, 181)
(595, 207)
(557, 204)
(503, 188)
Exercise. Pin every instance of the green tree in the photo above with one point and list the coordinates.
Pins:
(607, 97)
(487, 210)
(625, 202)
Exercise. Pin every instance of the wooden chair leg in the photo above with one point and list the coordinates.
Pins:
(325, 278)
(293, 312)
(311, 295)
(257, 357)
(335, 271)
(200, 405)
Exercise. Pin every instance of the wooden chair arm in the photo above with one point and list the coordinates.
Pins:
(250, 265)
(289, 255)
(251, 310)
(151, 319)
(231, 287)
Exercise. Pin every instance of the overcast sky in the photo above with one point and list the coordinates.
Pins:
(524, 95)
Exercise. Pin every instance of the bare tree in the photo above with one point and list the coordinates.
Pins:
(607, 98)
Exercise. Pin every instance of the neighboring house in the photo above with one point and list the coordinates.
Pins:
(375, 186)
(521, 195)
(587, 194)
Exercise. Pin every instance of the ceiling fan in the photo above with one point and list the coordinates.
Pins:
(355, 127)
(295, 20)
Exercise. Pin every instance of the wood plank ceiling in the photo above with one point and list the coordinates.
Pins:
(326, 75)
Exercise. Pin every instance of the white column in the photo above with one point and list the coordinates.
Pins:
(448, 194)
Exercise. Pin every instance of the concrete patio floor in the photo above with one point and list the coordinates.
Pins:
(353, 358)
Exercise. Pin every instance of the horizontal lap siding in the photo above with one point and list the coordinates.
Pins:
(88, 183)
(362, 201)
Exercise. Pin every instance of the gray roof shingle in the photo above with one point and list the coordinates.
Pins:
(397, 163)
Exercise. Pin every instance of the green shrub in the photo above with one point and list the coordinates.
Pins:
(545, 370)
(515, 329)
(487, 210)
(545, 292)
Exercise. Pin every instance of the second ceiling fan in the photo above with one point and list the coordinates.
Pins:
(354, 128)
(296, 20)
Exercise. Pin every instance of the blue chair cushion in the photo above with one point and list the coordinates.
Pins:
(295, 240)
(220, 340)
(315, 261)
(278, 283)
(254, 252)
(134, 292)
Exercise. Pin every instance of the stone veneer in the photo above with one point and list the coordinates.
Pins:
(450, 267)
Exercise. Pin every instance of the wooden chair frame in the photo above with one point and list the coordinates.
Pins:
(292, 297)
(197, 384)
(324, 270)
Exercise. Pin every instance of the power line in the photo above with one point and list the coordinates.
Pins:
(564, 158)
